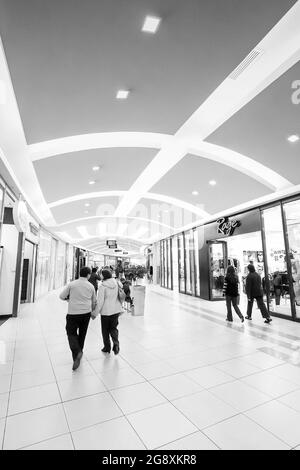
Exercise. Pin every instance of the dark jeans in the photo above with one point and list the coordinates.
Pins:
(232, 300)
(261, 305)
(109, 328)
(76, 329)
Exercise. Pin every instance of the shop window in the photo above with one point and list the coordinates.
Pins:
(181, 264)
(292, 214)
(277, 285)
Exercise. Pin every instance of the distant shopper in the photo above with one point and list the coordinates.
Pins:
(151, 274)
(94, 278)
(82, 300)
(231, 292)
(254, 290)
(109, 306)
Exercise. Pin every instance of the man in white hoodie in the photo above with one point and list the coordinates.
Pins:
(109, 305)
(82, 300)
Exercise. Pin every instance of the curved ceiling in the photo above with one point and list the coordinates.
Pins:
(92, 166)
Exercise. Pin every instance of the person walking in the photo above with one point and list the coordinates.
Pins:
(82, 300)
(94, 278)
(109, 305)
(231, 292)
(254, 290)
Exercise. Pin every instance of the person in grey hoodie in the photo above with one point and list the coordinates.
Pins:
(109, 307)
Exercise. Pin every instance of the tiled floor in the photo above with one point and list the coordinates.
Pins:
(184, 379)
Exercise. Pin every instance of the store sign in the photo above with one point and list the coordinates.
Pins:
(226, 226)
(111, 243)
(20, 216)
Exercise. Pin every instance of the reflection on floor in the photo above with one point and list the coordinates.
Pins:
(185, 379)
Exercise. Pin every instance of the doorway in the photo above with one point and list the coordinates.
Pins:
(238, 251)
(28, 273)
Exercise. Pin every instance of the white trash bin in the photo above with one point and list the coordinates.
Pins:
(138, 293)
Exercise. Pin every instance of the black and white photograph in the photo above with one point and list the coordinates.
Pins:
(149, 229)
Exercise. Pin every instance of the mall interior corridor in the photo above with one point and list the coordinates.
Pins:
(184, 379)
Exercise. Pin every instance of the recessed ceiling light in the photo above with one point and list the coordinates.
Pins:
(122, 94)
(212, 182)
(195, 193)
(151, 24)
(87, 204)
(293, 138)
(96, 168)
(92, 182)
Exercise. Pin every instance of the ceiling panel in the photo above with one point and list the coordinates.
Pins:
(69, 174)
(261, 128)
(67, 59)
(193, 173)
(77, 210)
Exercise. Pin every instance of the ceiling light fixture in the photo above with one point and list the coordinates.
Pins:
(151, 24)
(212, 182)
(96, 168)
(92, 182)
(195, 193)
(293, 138)
(87, 204)
(122, 94)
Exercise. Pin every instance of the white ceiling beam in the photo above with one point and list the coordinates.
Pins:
(280, 49)
(14, 149)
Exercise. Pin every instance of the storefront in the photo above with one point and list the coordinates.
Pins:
(267, 237)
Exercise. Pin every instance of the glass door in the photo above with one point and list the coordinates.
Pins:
(217, 266)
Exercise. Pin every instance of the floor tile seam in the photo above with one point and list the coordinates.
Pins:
(252, 373)
(59, 392)
(265, 429)
(272, 340)
(278, 396)
(45, 440)
(170, 402)
(9, 392)
(188, 435)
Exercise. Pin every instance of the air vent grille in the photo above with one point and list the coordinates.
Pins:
(245, 64)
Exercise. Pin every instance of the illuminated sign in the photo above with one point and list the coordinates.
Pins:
(226, 226)
(111, 243)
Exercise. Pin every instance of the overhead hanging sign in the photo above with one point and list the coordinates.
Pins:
(111, 243)
(227, 227)
(21, 216)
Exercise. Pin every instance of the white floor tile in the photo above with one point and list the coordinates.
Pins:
(292, 400)
(240, 433)
(137, 397)
(32, 379)
(239, 395)
(91, 410)
(120, 378)
(3, 404)
(196, 441)
(156, 369)
(32, 398)
(237, 368)
(288, 372)
(209, 376)
(34, 426)
(159, 425)
(80, 386)
(5, 383)
(176, 386)
(64, 371)
(57, 443)
(262, 360)
(204, 409)
(116, 434)
(270, 384)
(107, 362)
(2, 427)
(6, 368)
(280, 420)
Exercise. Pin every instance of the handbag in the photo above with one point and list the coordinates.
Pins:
(121, 294)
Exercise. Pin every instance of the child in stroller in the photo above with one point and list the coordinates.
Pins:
(128, 299)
